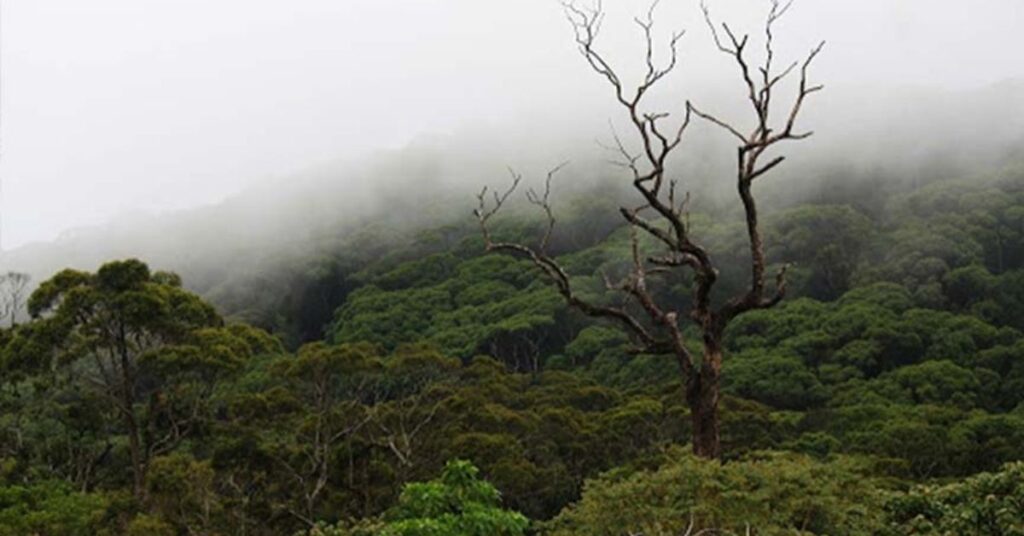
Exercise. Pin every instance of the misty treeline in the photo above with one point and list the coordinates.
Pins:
(341, 359)
(871, 144)
(889, 383)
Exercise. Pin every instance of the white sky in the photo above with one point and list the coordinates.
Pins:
(121, 105)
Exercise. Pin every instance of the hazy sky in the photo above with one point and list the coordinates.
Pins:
(119, 105)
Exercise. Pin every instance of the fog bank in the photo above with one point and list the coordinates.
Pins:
(144, 106)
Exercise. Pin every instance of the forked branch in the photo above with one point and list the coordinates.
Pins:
(752, 147)
(548, 265)
(543, 201)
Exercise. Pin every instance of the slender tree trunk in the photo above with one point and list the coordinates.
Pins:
(131, 426)
(135, 448)
(702, 393)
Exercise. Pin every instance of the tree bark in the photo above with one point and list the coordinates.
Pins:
(135, 448)
(702, 394)
(128, 412)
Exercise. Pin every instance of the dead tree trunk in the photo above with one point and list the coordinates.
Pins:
(656, 327)
(702, 391)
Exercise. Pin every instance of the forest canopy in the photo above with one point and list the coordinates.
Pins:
(599, 358)
(892, 375)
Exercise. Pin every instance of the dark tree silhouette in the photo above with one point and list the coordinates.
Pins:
(662, 214)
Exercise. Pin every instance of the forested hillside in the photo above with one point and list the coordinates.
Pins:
(707, 297)
(883, 396)
(257, 254)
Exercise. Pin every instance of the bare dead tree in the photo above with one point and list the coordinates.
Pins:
(399, 423)
(328, 422)
(663, 215)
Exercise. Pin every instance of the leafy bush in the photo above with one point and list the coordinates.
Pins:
(458, 503)
(988, 504)
(49, 508)
(771, 493)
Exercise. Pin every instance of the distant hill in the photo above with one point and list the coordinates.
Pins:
(865, 140)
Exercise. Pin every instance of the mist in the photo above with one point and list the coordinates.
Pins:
(190, 133)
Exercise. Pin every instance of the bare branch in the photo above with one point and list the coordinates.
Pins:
(484, 214)
(544, 203)
(708, 117)
(654, 73)
(555, 273)
(753, 147)
(629, 160)
(656, 146)
(767, 167)
(804, 92)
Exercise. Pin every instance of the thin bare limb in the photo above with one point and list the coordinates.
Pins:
(550, 267)
(710, 118)
(544, 203)
(764, 136)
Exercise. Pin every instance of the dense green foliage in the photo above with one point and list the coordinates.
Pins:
(775, 493)
(457, 503)
(986, 504)
(884, 396)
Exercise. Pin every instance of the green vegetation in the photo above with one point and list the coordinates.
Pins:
(989, 503)
(771, 492)
(885, 395)
(457, 503)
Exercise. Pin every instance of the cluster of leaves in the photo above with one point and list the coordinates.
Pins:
(988, 503)
(50, 507)
(458, 503)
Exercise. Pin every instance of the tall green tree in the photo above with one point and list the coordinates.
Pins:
(150, 350)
